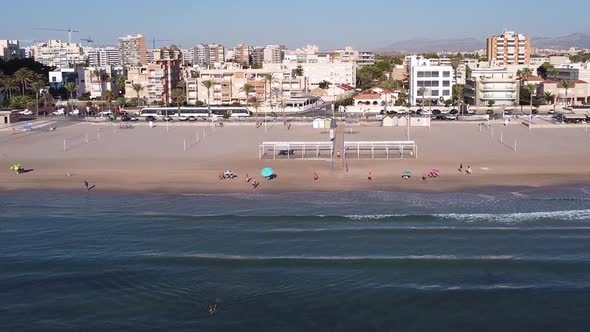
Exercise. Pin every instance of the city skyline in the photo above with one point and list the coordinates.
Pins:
(330, 24)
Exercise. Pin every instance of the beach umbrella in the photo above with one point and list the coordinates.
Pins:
(266, 172)
(407, 175)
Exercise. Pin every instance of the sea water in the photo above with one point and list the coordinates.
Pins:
(497, 260)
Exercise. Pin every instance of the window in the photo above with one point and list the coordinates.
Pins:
(434, 93)
(446, 93)
(434, 74)
(446, 74)
(434, 83)
(420, 84)
(446, 83)
(420, 74)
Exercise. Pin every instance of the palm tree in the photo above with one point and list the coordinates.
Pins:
(96, 73)
(567, 84)
(422, 92)
(247, 89)
(299, 71)
(37, 86)
(109, 96)
(268, 79)
(524, 74)
(71, 87)
(137, 88)
(208, 84)
(178, 97)
(549, 97)
(531, 89)
(459, 89)
(121, 84)
(8, 85)
(554, 73)
(24, 76)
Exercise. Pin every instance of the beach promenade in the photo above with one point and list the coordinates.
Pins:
(143, 159)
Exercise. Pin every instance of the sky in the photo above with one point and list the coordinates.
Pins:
(329, 24)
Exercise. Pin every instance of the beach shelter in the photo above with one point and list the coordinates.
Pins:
(388, 121)
(318, 123)
(267, 172)
(407, 175)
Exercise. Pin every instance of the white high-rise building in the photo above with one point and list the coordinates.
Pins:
(208, 55)
(429, 82)
(102, 57)
(59, 54)
(274, 53)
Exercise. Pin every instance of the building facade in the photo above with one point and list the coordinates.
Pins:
(162, 77)
(242, 55)
(10, 50)
(133, 50)
(315, 73)
(137, 75)
(429, 82)
(101, 57)
(509, 49)
(59, 54)
(498, 86)
(578, 94)
(208, 55)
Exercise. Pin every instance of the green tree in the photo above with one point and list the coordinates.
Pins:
(269, 79)
(422, 92)
(549, 97)
(137, 88)
(208, 84)
(247, 89)
(24, 76)
(71, 87)
(491, 103)
(108, 96)
(299, 71)
(544, 70)
(554, 73)
(324, 85)
(567, 84)
(37, 87)
(8, 84)
(178, 97)
(121, 84)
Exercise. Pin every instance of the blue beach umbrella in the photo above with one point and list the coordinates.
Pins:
(266, 172)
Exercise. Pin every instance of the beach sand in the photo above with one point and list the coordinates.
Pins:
(146, 159)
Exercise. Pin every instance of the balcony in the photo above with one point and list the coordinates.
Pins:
(498, 96)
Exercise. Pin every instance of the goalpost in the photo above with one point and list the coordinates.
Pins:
(73, 141)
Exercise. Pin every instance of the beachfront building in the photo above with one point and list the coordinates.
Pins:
(498, 87)
(103, 56)
(316, 73)
(228, 86)
(509, 49)
(59, 77)
(10, 50)
(162, 78)
(274, 53)
(578, 94)
(168, 53)
(429, 82)
(133, 50)
(56, 53)
(136, 75)
(98, 80)
(570, 72)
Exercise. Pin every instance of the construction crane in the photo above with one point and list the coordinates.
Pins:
(87, 40)
(68, 30)
(154, 40)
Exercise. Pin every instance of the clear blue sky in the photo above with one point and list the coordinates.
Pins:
(327, 23)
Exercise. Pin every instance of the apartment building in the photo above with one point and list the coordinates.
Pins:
(59, 54)
(162, 78)
(136, 75)
(59, 77)
(437, 81)
(10, 50)
(228, 86)
(133, 50)
(242, 55)
(509, 49)
(361, 58)
(208, 55)
(168, 53)
(577, 94)
(274, 53)
(315, 73)
(101, 57)
(499, 86)
(257, 57)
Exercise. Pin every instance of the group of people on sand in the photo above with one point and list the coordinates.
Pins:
(467, 170)
(231, 175)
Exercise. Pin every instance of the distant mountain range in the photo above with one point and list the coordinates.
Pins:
(579, 40)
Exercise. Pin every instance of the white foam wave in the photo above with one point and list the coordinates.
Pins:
(568, 215)
(345, 258)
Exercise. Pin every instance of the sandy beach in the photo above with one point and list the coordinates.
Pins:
(144, 159)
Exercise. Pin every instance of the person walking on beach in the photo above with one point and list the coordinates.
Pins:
(316, 177)
(370, 177)
(86, 186)
(460, 168)
(254, 183)
(468, 170)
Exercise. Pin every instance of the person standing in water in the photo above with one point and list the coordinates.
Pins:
(86, 186)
